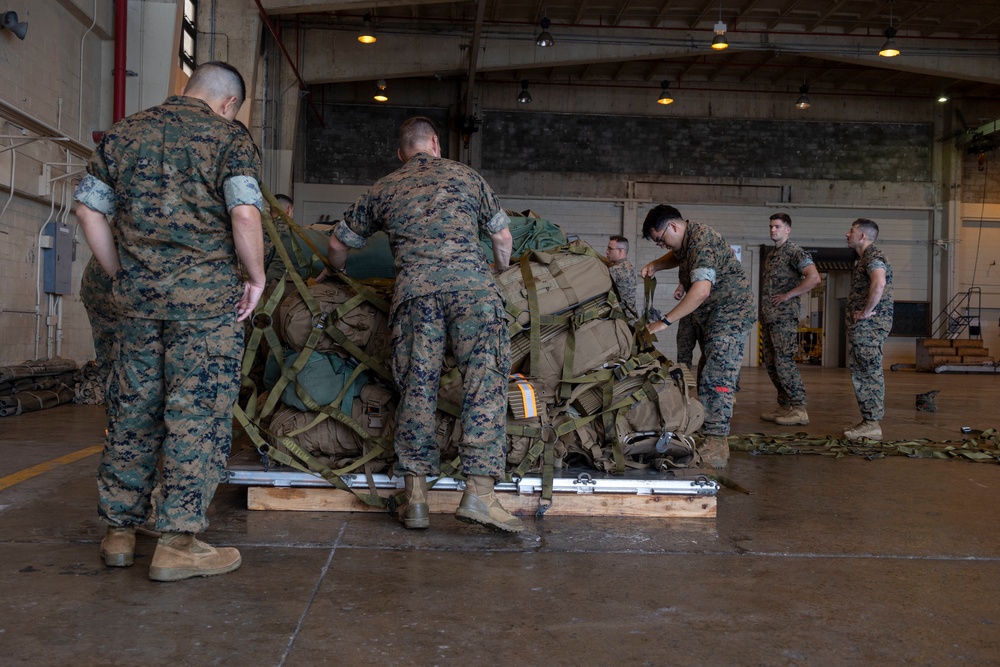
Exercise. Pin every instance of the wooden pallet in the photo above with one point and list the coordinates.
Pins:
(658, 506)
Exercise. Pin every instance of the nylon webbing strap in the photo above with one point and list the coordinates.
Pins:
(315, 466)
(521, 397)
(534, 324)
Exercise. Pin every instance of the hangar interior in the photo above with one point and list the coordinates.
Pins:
(855, 562)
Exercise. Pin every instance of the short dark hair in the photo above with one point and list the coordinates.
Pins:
(618, 238)
(658, 218)
(869, 227)
(208, 78)
(784, 217)
(284, 199)
(416, 130)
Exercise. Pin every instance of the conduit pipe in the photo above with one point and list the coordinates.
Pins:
(281, 45)
(121, 43)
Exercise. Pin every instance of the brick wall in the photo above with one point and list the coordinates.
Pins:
(357, 143)
(707, 147)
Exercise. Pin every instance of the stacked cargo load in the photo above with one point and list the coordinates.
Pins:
(586, 388)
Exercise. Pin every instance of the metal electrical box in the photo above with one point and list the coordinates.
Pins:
(57, 259)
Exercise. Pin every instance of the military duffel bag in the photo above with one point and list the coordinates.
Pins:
(561, 280)
(359, 321)
(323, 377)
(593, 344)
(334, 442)
(655, 411)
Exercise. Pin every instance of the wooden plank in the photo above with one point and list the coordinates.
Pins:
(977, 360)
(964, 351)
(934, 342)
(312, 499)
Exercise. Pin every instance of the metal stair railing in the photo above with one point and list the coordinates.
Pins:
(960, 314)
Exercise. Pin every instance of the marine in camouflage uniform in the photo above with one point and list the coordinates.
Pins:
(179, 185)
(869, 319)
(444, 298)
(789, 271)
(720, 299)
(622, 274)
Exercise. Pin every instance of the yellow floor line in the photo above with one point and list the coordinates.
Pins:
(34, 471)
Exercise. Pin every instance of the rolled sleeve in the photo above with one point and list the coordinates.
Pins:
(347, 236)
(808, 261)
(875, 265)
(703, 274)
(498, 222)
(96, 194)
(242, 190)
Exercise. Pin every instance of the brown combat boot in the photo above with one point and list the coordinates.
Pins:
(714, 451)
(795, 415)
(413, 512)
(182, 556)
(480, 505)
(866, 429)
(118, 546)
(774, 414)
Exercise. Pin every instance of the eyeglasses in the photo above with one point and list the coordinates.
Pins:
(660, 240)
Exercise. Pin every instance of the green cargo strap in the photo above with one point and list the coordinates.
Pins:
(315, 467)
(534, 332)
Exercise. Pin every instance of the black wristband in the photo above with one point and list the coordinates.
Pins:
(666, 321)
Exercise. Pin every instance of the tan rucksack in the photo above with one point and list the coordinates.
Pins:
(343, 309)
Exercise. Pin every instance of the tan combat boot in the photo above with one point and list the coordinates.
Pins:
(480, 505)
(182, 556)
(866, 429)
(413, 512)
(118, 546)
(774, 414)
(714, 451)
(795, 415)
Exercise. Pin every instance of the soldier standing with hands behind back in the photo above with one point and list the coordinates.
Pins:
(789, 272)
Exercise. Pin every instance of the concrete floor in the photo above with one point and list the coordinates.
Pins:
(828, 562)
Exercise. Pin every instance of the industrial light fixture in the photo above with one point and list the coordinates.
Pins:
(803, 101)
(719, 42)
(380, 95)
(665, 97)
(10, 22)
(889, 49)
(524, 97)
(545, 37)
(367, 35)
(943, 97)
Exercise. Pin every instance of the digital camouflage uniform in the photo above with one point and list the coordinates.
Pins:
(779, 325)
(725, 317)
(167, 177)
(867, 336)
(444, 298)
(689, 333)
(623, 276)
(95, 293)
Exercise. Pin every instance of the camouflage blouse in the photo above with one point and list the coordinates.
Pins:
(870, 260)
(432, 209)
(168, 177)
(705, 255)
(782, 273)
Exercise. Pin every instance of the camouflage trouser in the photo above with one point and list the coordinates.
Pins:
(170, 398)
(95, 292)
(687, 338)
(471, 324)
(865, 363)
(720, 378)
(780, 342)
